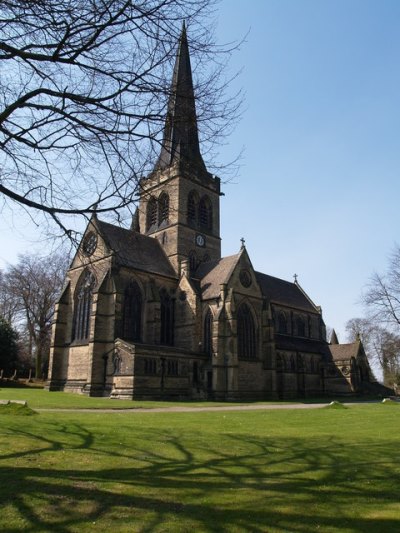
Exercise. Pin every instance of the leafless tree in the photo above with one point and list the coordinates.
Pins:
(381, 345)
(34, 284)
(382, 297)
(83, 89)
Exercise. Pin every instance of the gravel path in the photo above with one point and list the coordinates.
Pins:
(184, 409)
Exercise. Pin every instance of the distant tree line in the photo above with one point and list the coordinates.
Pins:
(379, 329)
(28, 293)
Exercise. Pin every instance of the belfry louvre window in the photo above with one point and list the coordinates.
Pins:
(83, 307)
(163, 208)
(205, 213)
(132, 313)
(246, 333)
(167, 318)
(151, 215)
(208, 324)
(191, 208)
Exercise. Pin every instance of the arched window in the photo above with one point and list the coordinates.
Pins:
(280, 365)
(205, 213)
(166, 318)
(132, 313)
(192, 208)
(151, 215)
(83, 307)
(163, 208)
(193, 261)
(301, 326)
(246, 333)
(300, 363)
(208, 324)
(282, 323)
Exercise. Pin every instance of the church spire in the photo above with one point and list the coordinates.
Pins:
(181, 140)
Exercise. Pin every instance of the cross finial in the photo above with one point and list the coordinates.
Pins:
(295, 277)
(242, 241)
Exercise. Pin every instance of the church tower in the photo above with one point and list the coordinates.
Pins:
(179, 201)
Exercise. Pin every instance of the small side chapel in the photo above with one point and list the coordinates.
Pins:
(155, 312)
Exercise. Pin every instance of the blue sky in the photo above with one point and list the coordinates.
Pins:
(318, 190)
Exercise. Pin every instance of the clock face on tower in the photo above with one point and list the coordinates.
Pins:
(200, 240)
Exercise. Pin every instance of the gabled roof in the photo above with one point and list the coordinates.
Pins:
(134, 250)
(345, 351)
(180, 142)
(213, 273)
(284, 292)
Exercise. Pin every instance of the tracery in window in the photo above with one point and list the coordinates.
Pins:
(246, 333)
(163, 208)
(167, 318)
(132, 313)
(83, 307)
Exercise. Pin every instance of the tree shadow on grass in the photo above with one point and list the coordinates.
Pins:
(245, 483)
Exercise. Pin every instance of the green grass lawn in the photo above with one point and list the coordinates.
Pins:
(325, 470)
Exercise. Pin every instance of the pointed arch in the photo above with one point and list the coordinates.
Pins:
(132, 313)
(83, 306)
(167, 318)
(151, 213)
(193, 261)
(246, 333)
(192, 204)
(205, 213)
(163, 208)
(300, 326)
(282, 323)
(208, 332)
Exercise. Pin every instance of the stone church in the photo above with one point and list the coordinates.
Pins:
(155, 312)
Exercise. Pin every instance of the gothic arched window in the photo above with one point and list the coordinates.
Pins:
(163, 208)
(151, 214)
(167, 318)
(280, 365)
(83, 307)
(193, 261)
(301, 326)
(208, 324)
(192, 208)
(132, 313)
(246, 333)
(205, 213)
(299, 363)
(282, 323)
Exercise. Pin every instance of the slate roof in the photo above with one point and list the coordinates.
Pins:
(284, 292)
(213, 273)
(134, 250)
(284, 342)
(344, 351)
